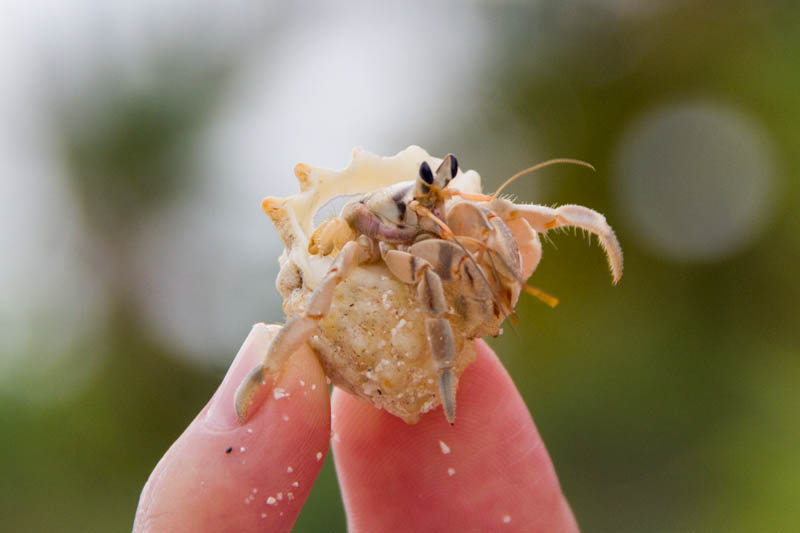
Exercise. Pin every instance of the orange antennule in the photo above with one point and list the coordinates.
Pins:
(552, 301)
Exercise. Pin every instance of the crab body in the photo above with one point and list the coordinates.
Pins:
(391, 292)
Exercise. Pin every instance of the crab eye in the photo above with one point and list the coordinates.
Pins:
(425, 173)
(447, 170)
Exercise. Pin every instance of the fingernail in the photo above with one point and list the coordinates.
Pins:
(221, 415)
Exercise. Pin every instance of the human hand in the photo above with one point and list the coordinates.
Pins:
(489, 472)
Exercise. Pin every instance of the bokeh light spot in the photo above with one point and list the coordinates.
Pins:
(696, 180)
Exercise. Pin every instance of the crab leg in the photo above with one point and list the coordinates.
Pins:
(411, 268)
(466, 219)
(542, 218)
(440, 341)
(530, 248)
(503, 244)
(297, 330)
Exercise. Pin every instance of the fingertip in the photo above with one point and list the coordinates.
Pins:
(232, 476)
(490, 470)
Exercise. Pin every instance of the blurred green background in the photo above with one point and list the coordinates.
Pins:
(137, 139)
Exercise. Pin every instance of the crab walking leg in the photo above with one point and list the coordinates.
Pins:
(543, 218)
(411, 268)
(530, 247)
(297, 330)
(466, 219)
(440, 338)
(440, 341)
(503, 246)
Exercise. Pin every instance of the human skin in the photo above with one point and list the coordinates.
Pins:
(495, 476)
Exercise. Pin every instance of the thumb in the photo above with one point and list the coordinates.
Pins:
(221, 475)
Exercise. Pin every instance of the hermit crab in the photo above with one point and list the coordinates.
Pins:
(418, 263)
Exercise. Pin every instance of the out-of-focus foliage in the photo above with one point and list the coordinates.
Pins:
(668, 403)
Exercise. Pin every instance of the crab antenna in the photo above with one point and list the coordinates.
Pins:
(542, 165)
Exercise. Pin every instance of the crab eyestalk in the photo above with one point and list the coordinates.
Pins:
(429, 186)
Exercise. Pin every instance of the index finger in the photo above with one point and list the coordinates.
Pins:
(488, 472)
